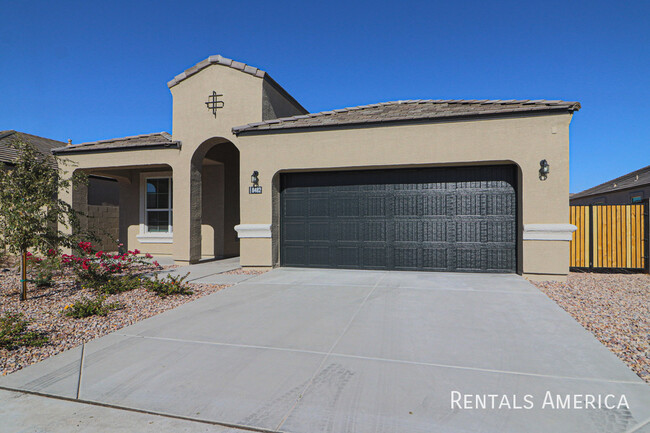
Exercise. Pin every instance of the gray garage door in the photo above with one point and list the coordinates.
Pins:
(433, 219)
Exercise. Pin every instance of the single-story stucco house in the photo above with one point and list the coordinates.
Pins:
(437, 185)
(631, 188)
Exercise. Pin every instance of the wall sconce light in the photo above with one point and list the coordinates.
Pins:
(255, 180)
(543, 169)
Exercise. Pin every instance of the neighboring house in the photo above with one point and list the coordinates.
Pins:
(102, 205)
(445, 185)
(628, 189)
(8, 154)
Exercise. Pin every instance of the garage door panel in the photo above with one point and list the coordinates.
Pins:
(408, 205)
(319, 256)
(295, 231)
(470, 259)
(434, 204)
(294, 255)
(435, 259)
(499, 259)
(346, 207)
(374, 231)
(295, 207)
(375, 206)
(405, 258)
(452, 219)
(500, 204)
(500, 231)
(318, 231)
(348, 231)
(319, 206)
(348, 257)
(375, 258)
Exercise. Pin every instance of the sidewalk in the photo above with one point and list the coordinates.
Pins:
(211, 272)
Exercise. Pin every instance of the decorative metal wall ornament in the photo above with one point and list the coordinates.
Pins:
(214, 103)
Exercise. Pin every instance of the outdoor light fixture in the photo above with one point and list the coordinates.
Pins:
(255, 180)
(543, 169)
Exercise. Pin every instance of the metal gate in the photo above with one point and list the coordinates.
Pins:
(433, 219)
(610, 237)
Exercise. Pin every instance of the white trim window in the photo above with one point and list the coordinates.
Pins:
(158, 205)
(156, 210)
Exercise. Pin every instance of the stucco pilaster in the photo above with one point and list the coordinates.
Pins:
(187, 211)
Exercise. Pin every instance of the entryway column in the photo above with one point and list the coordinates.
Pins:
(187, 212)
(77, 197)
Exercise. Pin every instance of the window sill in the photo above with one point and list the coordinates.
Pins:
(152, 238)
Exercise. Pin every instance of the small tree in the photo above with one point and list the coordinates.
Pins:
(30, 208)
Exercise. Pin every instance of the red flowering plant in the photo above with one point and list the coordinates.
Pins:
(108, 272)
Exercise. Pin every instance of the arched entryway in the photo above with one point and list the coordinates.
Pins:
(216, 161)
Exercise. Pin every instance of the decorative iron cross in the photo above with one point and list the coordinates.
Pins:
(213, 103)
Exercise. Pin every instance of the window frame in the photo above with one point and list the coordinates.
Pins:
(146, 236)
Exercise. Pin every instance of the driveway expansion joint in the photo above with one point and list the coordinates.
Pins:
(143, 411)
(390, 360)
(81, 366)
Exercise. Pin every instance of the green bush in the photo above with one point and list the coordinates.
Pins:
(90, 307)
(43, 269)
(170, 285)
(115, 284)
(14, 333)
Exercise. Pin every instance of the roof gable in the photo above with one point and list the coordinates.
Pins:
(216, 60)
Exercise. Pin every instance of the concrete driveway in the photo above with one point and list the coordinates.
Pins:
(357, 351)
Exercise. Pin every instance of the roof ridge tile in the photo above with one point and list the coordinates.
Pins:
(216, 60)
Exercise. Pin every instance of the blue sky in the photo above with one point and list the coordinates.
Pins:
(92, 70)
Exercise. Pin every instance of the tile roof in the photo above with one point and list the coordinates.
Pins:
(409, 110)
(217, 60)
(638, 178)
(157, 139)
(9, 154)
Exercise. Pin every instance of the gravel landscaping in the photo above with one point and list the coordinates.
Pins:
(44, 309)
(614, 307)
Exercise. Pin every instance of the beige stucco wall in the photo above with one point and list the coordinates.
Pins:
(523, 141)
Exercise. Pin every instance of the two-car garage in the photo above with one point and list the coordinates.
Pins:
(430, 219)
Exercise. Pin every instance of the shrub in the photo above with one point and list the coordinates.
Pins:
(14, 333)
(44, 269)
(95, 269)
(116, 284)
(170, 285)
(90, 307)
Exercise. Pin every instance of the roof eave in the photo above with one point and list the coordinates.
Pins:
(80, 150)
(254, 129)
